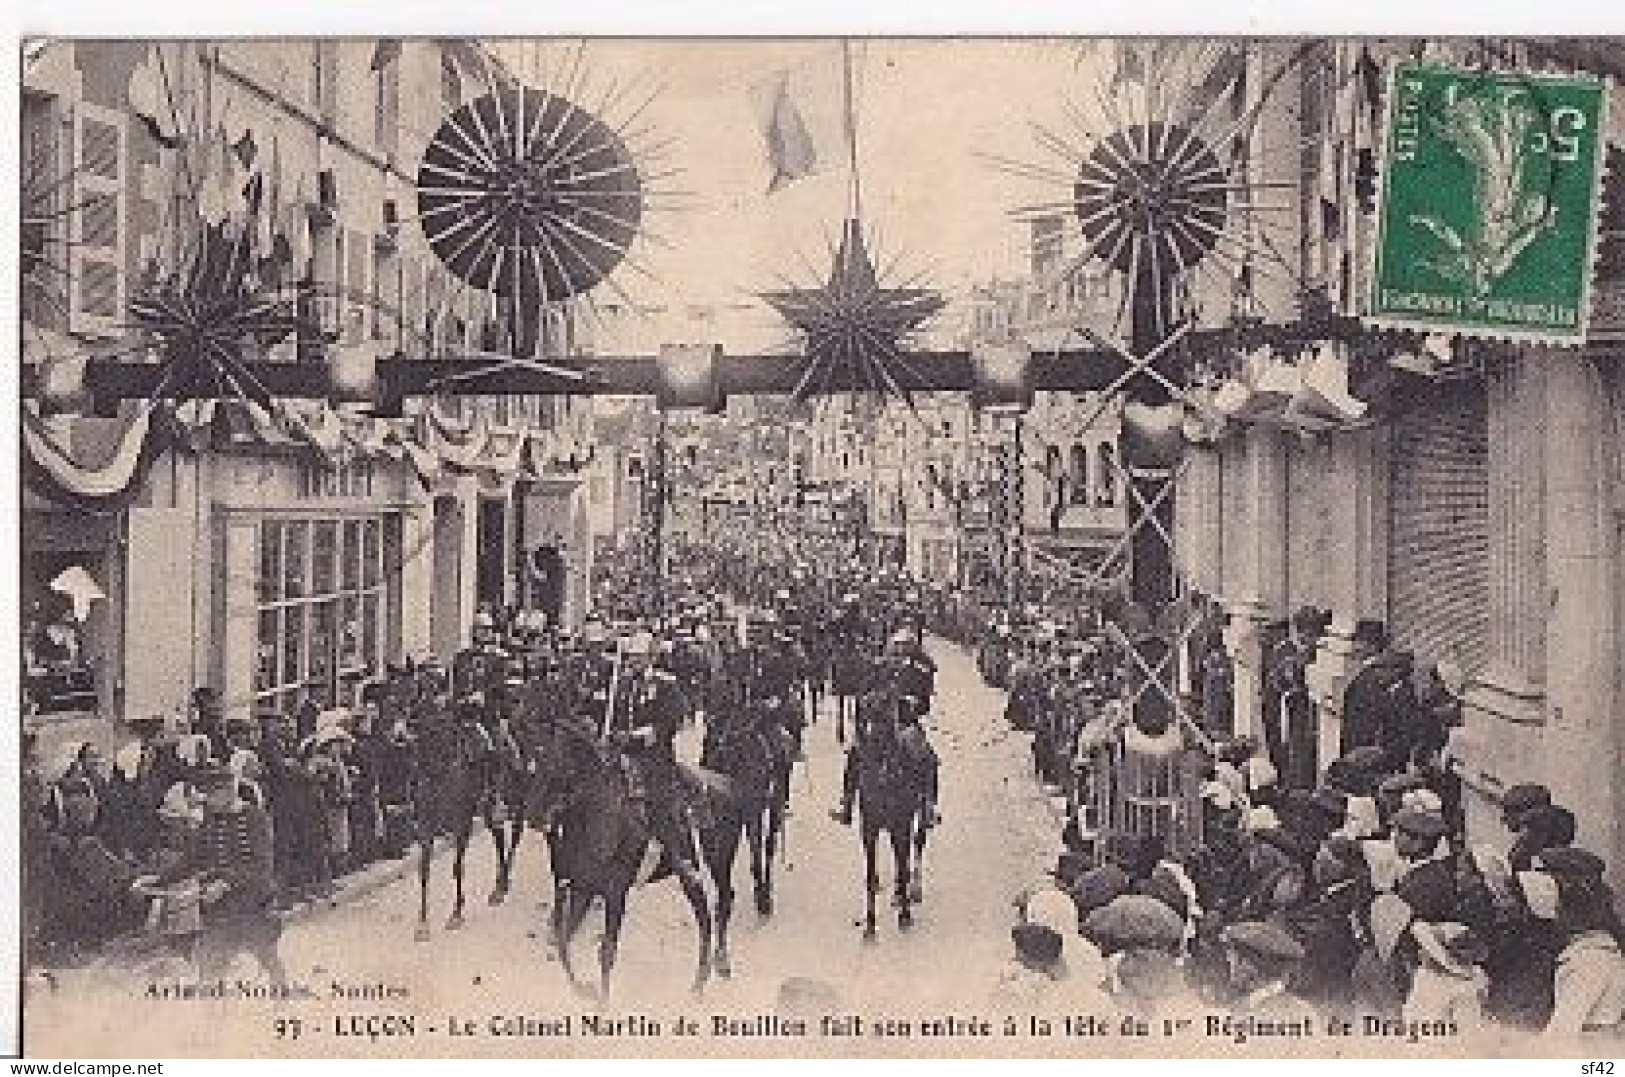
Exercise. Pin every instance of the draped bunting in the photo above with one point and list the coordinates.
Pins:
(91, 485)
(430, 443)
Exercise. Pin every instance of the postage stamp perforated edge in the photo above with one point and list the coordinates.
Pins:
(1500, 334)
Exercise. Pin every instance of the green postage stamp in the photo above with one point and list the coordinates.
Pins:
(1489, 202)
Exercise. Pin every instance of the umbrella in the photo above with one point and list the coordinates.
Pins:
(80, 587)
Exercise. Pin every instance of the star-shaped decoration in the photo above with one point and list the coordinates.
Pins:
(204, 314)
(854, 326)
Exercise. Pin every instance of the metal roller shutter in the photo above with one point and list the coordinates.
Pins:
(1438, 553)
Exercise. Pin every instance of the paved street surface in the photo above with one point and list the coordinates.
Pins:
(997, 835)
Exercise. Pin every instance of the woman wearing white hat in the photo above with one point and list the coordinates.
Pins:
(1054, 969)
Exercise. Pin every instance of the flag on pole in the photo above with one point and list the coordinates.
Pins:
(150, 103)
(798, 111)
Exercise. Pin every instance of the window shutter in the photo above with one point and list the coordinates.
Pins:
(97, 261)
(358, 289)
(1439, 525)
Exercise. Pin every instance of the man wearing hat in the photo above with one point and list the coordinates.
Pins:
(1417, 838)
(1519, 804)
(590, 671)
(231, 856)
(917, 671)
(774, 688)
(1375, 699)
(645, 719)
(156, 768)
(885, 720)
(1262, 956)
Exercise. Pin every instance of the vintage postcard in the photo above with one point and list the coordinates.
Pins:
(818, 547)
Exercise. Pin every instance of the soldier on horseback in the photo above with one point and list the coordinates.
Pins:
(775, 674)
(917, 670)
(889, 723)
(645, 717)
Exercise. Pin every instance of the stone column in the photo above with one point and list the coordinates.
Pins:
(1260, 595)
(1534, 436)
(1581, 743)
(1356, 568)
(1199, 531)
(1199, 520)
(1517, 391)
(468, 502)
(1243, 640)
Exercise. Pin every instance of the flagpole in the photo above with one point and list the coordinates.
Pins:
(854, 192)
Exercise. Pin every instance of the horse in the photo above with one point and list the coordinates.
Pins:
(456, 777)
(758, 773)
(890, 798)
(579, 793)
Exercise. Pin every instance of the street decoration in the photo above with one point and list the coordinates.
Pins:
(104, 485)
(1489, 197)
(856, 326)
(1152, 196)
(208, 311)
(527, 195)
(1161, 190)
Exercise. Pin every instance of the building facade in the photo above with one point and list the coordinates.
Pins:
(1477, 512)
(274, 557)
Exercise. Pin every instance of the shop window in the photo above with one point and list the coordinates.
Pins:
(322, 599)
(385, 299)
(1052, 467)
(59, 669)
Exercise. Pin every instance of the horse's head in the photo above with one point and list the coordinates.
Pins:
(566, 755)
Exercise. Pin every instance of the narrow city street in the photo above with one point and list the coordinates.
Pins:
(997, 835)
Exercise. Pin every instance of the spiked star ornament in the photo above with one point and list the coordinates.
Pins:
(855, 327)
(1163, 185)
(209, 314)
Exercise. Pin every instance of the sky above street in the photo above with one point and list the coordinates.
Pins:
(925, 109)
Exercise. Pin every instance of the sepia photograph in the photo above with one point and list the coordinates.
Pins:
(821, 547)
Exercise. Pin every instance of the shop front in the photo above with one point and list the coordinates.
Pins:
(324, 576)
